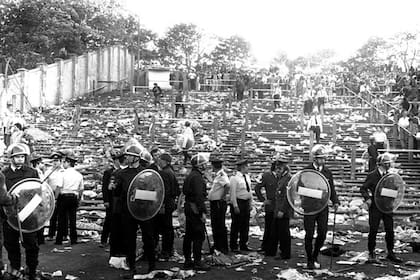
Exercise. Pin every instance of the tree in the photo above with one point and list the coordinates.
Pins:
(405, 46)
(369, 58)
(231, 53)
(180, 45)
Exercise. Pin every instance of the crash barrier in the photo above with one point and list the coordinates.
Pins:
(63, 80)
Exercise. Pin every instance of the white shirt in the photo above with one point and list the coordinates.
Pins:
(72, 181)
(218, 186)
(188, 134)
(238, 188)
(315, 121)
(404, 122)
(55, 180)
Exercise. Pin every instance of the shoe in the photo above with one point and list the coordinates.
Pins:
(188, 264)
(236, 251)
(310, 265)
(151, 267)
(281, 258)
(393, 258)
(201, 266)
(74, 242)
(130, 274)
(165, 255)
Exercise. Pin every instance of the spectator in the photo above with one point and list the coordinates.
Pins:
(307, 102)
(373, 154)
(179, 103)
(8, 123)
(157, 94)
(276, 96)
(17, 134)
(403, 125)
(315, 126)
(414, 129)
(188, 138)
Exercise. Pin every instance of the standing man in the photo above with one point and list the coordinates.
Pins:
(218, 203)
(373, 154)
(55, 181)
(241, 200)
(69, 198)
(157, 93)
(179, 103)
(280, 232)
(8, 122)
(375, 215)
(321, 219)
(108, 197)
(188, 136)
(16, 172)
(130, 225)
(194, 190)
(269, 184)
(163, 220)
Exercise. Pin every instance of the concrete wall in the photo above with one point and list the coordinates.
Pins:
(64, 80)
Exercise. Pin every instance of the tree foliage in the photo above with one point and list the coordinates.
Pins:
(231, 53)
(180, 45)
(40, 30)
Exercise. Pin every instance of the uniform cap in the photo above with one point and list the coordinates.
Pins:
(166, 157)
(133, 150)
(68, 154)
(198, 160)
(385, 158)
(241, 162)
(318, 151)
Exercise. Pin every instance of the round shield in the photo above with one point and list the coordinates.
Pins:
(389, 193)
(145, 195)
(35, 205)
(180, 141)
(308, 192)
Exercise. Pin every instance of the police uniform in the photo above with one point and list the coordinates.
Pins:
(116, 246)
(269, 182)
(241, 197)
(130, 225)
(280, 232)
(107, 198)
(163, 220)
(218, 207)
(375, 215)
(11, 236)
(194, 190)
(321, 219)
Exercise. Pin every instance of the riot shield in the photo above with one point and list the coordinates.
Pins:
(389, 193)
(145, 195)
(35, 205)
(308, 192)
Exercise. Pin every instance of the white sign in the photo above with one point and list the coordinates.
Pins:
(29, 208)
(310, 192)
(389, 193)
(146, 195)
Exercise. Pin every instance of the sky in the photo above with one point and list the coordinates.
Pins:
(297, 27)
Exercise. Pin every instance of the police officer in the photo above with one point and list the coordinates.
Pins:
(163, 220)
(218, 203)
(241, 200)
(130, 225)
(68, 199)
(194, 190)
(55, 181)
(375, 215)
(269, 184)
(321, 219)
(16, 172)
(280, 232)
(107, 196)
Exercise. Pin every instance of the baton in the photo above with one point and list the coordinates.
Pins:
(333, 237)
(208, 240)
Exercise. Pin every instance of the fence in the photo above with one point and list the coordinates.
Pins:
(63, 80)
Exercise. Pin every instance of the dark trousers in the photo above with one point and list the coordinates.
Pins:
(268, 222)
(106, 230)
(164, 226)
(67, 207)
(276, 104)
(177, 106)
(130, 226)
(240, 225)
(218, 225)
(187, 156)
(40, 236)
(53, 223)
(280, 233)
(194, 236)
(317, 131)
(116, 246)
(11, 243)
(375, 217)
(321, 219)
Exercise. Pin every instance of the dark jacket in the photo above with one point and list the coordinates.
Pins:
(5, 197)
(328, 174)
(172, 190)
(369, 185)
(12, 177)
(269, 183)
(282, 204)
(123, 179)
(106, 180)
(157, 91)
(194, 190)
(373, 155)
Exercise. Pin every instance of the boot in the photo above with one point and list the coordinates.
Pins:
(201, 266)
(188, 264)
(372, 257)
(310, 265)
(393, 258)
